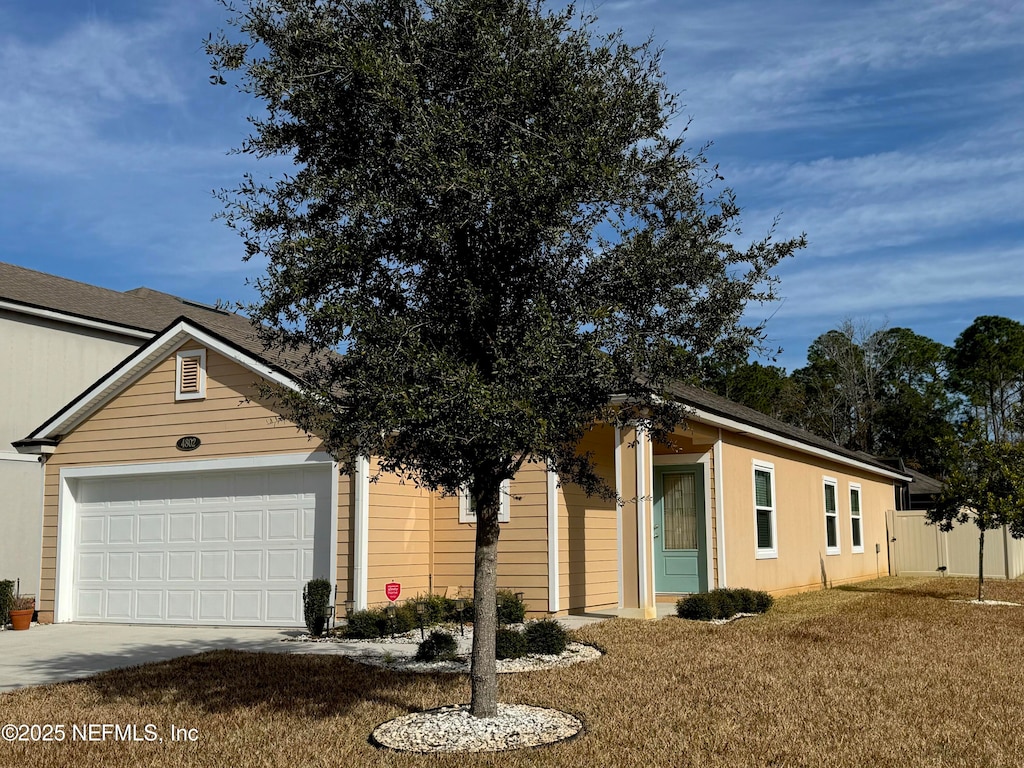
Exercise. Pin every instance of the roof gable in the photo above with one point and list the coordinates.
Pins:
(137, 365)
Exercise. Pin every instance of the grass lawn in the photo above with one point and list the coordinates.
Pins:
(888, 673)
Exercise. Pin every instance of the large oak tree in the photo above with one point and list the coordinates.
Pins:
(493, 217)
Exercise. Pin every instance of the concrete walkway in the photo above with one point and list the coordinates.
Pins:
(53, 653)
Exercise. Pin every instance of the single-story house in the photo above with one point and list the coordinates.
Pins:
(175, 494)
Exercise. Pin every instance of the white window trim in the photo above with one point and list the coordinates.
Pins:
(859, 516)
(468, 515)
(837, 549)
(182, 355)
(765, 553)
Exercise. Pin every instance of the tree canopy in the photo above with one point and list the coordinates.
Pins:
(984, 485)
(494, 216)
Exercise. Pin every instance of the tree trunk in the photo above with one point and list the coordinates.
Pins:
(981, 566)
(484, 671)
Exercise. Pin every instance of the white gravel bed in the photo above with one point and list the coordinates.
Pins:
(397, 653)
(986, 602)
(453, 729)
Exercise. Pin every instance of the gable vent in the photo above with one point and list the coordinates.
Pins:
(189, 375)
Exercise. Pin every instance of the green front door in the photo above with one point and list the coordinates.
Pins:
(680, 552)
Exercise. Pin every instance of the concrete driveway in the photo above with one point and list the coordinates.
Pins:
(53, 653)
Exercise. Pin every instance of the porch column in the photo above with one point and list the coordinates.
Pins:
(635, 481)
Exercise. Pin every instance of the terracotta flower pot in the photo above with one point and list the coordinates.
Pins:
(22, 619)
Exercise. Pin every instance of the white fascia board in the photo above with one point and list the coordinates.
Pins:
(82, 322)
(786, 442)
(138, 365)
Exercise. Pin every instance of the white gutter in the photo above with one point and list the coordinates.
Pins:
(82, 322)
(770, 437)
(641, 514)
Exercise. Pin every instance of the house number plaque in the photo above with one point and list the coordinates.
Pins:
(189, 443)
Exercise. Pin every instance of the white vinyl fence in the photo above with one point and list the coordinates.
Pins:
(919, 549)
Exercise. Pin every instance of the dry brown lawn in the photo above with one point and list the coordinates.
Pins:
(889, 673)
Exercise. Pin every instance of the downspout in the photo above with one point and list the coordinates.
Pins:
(361, 544)
(554, 602)
(618, 509)
(720, 509)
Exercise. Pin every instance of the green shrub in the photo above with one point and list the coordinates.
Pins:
(726, 602)
(699, 607)
(316, 597)
(511, 610)
(509, 644)
(366, 625)
(439, 646)
(545, 636)
(406, 618)
(762, 602)
(723, 604)
(6, 600)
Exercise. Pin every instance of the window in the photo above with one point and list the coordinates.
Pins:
(831, 518)
(856, 521)
(467, 509)
(190, 375)
(764, 510)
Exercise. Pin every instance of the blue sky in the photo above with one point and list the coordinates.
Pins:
(892, 133)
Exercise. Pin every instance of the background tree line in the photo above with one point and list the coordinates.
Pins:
(891, 392)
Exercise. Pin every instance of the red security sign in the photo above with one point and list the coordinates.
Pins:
(392, 589)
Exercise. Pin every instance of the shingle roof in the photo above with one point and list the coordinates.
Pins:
(720, 406)
(140, 309)
(153, 311)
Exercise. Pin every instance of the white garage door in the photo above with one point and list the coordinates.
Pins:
(200, 548)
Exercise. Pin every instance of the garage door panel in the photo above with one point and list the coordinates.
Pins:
(207, 547)
(91, 530)
(214, 526)
(247, 565)
(150, 566)
(149, 604)
(90, 604)
(121, 566)
(181, 605)
(181, 566)
(283, 564)
(245, 605)
(91, 566)
(213, 566)
(181, 527)
(282, 524)
(151, 529)
(213, 606)
(282, 606)
(248, 525)
(119, 604)
(121, 529)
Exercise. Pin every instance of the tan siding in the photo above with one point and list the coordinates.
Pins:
(800, 519)
(522, 546)
(143, 423)
(588, 544)
(399, 538)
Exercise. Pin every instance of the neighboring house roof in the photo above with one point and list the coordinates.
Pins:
(167, 320)
(140, 312)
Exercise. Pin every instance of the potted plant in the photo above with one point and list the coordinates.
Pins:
(21, 611)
